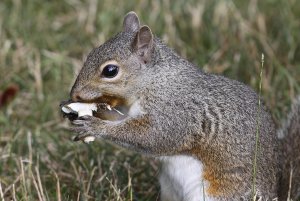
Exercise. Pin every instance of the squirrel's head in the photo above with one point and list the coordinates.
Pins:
(111, 72)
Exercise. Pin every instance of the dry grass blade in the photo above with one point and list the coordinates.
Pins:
(290, 183)
(257, 134)
(40, 183)
(36, 187)
(90, 180)
(58, 190)
(13, 184)
(1, 193)
(14, 193)
(116, 191)
(78, 196)
(23, 180)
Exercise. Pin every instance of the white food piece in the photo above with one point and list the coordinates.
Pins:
(85, 112)
(81, 108)
(66, 109)
(89, 139)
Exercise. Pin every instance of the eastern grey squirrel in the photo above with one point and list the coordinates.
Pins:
(201, 126)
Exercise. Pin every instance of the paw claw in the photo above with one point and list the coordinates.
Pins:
(78, 122)
(85, 138)
(85, 117)
(76, 138)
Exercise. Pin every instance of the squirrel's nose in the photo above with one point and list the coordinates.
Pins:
(76, 97)
(77, 94)
(84, 94)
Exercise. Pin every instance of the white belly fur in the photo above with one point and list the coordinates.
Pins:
(181, 179)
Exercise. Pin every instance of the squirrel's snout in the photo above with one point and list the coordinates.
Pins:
(75, 93)
(84, 95)
(76, 97)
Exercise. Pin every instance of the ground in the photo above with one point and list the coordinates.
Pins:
(44, 43)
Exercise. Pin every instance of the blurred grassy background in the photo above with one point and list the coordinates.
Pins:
(43, 45)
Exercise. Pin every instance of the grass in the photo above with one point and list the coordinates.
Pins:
(43, 45)
(257, 137)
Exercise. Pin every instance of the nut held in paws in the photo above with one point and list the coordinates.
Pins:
(81, 109)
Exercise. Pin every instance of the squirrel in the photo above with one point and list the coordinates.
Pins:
(201, 126)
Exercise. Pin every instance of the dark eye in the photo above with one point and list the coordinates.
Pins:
(110, 71)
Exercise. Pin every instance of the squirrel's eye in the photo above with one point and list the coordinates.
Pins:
(110, 71)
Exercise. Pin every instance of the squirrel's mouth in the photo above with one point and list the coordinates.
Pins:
(105, 107)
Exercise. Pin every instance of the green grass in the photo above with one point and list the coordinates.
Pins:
(43, 45)
(257, 137)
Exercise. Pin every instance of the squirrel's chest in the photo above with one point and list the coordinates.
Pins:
(181, 179)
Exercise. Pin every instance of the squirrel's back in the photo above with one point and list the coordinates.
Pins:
(290, 155)
(221, 117)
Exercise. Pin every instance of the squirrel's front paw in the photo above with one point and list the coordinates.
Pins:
(86, 127)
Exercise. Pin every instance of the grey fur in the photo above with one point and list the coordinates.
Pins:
(185, 111)
(290, 154)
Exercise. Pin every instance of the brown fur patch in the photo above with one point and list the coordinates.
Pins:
(220, 183)
(216, 184)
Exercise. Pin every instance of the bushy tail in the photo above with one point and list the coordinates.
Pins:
(289, 158)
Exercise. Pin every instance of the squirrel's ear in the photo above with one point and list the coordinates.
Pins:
(143, 43)
(131, 22)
